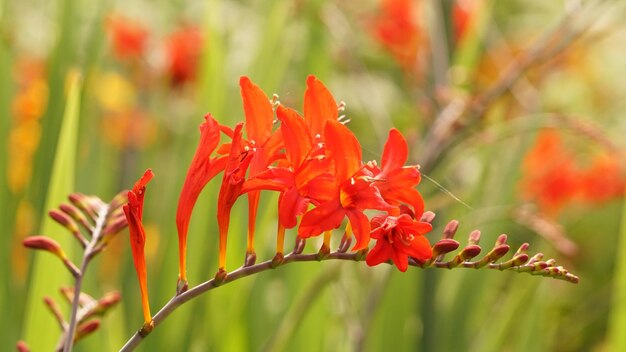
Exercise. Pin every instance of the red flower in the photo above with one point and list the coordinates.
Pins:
(550, 175)
(128, 37)
(232, 185)
(183, 51)
(259, 124)
(398, 238)
(604, 180)
(134, 213)
(202, 169)
(397, 30)
(306, 179)
(395, 181)
(352, 193)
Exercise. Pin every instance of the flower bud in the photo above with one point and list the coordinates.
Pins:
(86, 328)
(46, 244)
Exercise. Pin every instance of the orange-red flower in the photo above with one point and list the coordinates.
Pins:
(552, 176)
(128, 37)
(604, 180)
(259, 124)
(183, 51)
(202, 169)
(237, 164)
(352, 192)
(397, 30)
(134, 213)
(395, 181)
(397, 239)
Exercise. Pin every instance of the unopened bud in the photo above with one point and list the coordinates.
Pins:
(77, 215)
(474, 237)
(68, 223)
(450, 229)
(86, 328)
(46, 244)
(428, 217)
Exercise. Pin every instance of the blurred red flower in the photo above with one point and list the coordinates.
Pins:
(183, 52)
(397, 29)
(127, 36)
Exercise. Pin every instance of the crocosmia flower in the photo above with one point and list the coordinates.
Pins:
(134, 213)
(202, 169)
(352, 193)
(399, 238)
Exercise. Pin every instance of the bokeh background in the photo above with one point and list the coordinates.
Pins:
(515, 110)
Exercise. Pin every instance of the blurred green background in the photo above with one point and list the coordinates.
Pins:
(150, 70)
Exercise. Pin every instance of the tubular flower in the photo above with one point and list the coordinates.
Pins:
(353, 191)
(306, 180)
(395, 181)
(397, 239)
(134, 213)
(202, 169)
(259, 124)
(232, 185)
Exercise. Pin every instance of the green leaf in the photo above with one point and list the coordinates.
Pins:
(47, 272)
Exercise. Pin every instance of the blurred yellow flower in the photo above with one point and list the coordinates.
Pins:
(114, 92)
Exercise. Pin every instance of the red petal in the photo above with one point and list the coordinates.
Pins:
(319, 105)
(296, 135)
(324, 217)
(396, 151)
(400, 259)
(419, 249)
(380, 253)
(361, 228)
(290, 206)
(344, 148)
(258, 111)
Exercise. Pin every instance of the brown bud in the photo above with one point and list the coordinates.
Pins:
(220, 276)
(77, 215)
(44, 243)
(450, 229)
(54, 309)
(277, 260)
(83, 203)
(474, 237)
(250, 259)
(428, 217)
(119, 199)
(86, 328)
(444, 246)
